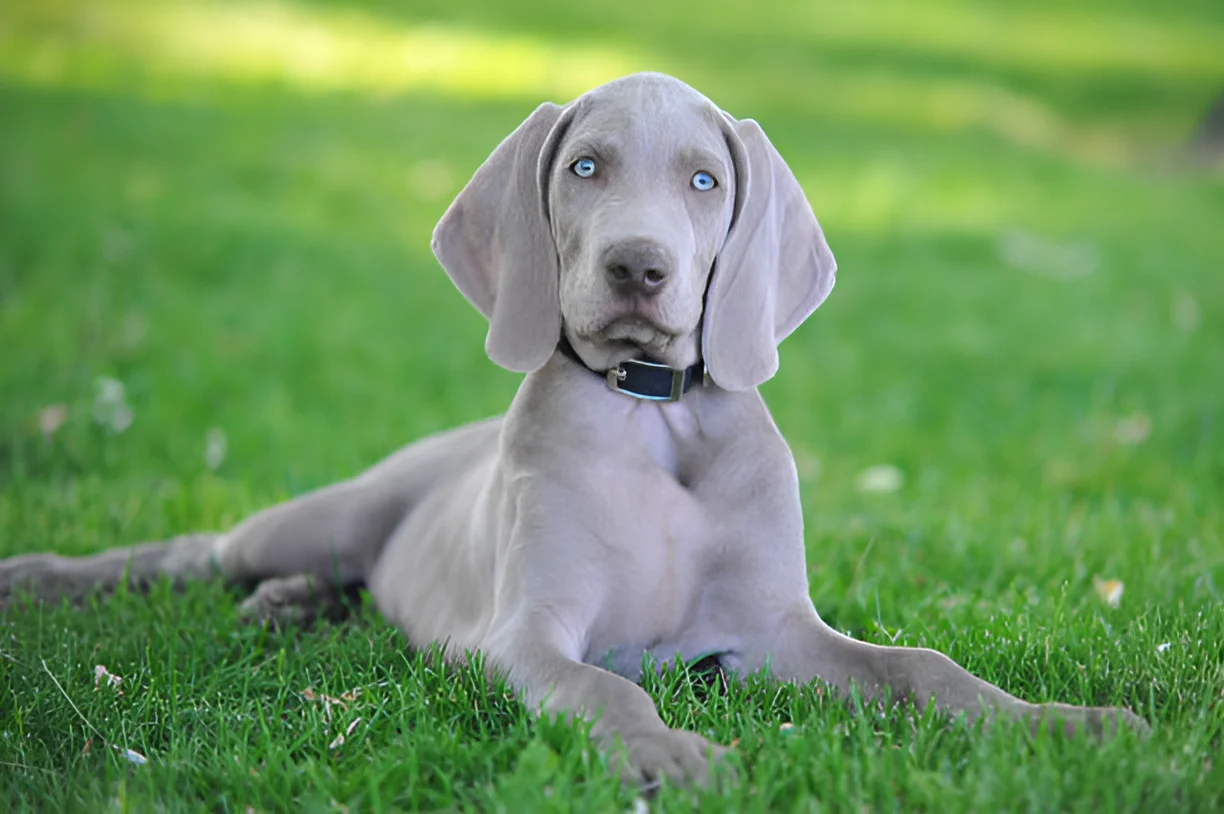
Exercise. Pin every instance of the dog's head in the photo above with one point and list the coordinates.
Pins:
(642, 221)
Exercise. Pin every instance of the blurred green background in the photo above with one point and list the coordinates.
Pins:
(225, 207)
(216, 291)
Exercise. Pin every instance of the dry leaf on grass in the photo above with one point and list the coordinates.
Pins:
(216, 444)
(327, 700)
(881, 478)
(345, 698)
(1109, 590)
(339, 739)
(1133, 429)
(640, 806)
(51, 418)
(132, 756)
(807, 464)
(112, 680)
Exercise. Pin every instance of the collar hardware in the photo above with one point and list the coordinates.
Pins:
(649, 381)
(652, 384)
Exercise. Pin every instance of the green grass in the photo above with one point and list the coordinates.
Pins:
(226, 206)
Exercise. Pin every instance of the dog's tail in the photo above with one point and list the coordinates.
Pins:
(52, 577)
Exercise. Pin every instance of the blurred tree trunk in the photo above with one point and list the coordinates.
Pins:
(1210, 135)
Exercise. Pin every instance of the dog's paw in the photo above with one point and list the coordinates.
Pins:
(1107, 720)
(35, 575)
(298, 601)
(684, 758)
(281, 601)
(1097, 722)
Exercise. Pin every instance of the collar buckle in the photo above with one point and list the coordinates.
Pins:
(649, 381)
(616, 377)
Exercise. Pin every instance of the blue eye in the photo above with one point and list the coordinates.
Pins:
(703, 181)
(583, 167)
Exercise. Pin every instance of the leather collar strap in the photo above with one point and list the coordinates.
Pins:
(643, 380)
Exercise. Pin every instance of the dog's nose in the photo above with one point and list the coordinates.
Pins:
(637, 267)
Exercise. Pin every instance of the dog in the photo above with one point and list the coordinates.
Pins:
(639, 254)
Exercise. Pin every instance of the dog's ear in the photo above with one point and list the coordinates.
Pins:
(775, 267)
(496, 244)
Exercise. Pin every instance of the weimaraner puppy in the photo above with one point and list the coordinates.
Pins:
(639, 254)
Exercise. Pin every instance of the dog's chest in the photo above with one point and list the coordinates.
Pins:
(656, 555)
(670, 436)
(659, 542)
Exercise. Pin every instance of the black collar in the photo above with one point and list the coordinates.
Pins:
(643, 380)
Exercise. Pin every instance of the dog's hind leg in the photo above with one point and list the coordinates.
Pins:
(324, 541)
(336, 534)
(306, 554)
(326, 538)
(53, 577)
(330, 535)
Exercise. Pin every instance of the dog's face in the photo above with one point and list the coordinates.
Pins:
(640, 220)
(638, 217)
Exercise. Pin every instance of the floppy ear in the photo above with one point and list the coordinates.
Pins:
(775, 267)
(495, 243)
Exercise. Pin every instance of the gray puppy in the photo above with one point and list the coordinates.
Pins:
(639, 254)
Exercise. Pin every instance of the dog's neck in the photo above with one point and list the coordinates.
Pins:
(643, 379)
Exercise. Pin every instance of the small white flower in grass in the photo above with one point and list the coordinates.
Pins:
(1109, 590)
(881, 478)
(216, 444)
(132, 756)
(110, 407)
(51, 419)
(1163, 646)
(1133, 429)
(1037, 255)
(1185, 312)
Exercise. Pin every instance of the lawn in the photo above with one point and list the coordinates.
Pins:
(216, 292)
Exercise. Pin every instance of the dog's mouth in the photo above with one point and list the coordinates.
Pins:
(630, 336)
(650, 344)
(639, 334)
(634, 329)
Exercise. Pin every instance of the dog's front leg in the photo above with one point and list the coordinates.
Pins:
(806, 649)
(626, 724)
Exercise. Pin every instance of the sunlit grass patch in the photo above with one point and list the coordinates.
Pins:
(941, 67)
(173, 46)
